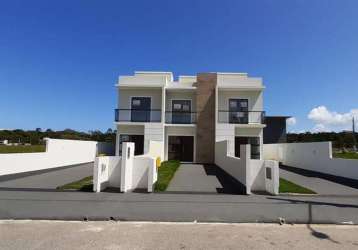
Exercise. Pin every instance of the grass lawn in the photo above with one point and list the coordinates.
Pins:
(85, 184)
(22, 149)
(166, 172)
(290, 187)
(349, 155)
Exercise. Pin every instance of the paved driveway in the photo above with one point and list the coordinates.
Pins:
(200, 178)
(47, 180)
(316, 182)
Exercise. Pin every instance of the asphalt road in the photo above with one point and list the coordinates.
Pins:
(46, 179)
(177, 207)
(319, 185)
(123, 235)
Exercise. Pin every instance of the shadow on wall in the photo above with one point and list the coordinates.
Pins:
(229, 184)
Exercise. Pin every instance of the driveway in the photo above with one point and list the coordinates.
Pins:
(49, 179)
(203, 178)
(317, 182)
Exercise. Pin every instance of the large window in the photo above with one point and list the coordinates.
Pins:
(238, 111)
(140, 109)
(181, 111)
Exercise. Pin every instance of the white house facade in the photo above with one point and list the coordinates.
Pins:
(190, 114)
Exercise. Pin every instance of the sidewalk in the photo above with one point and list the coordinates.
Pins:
(124, 235)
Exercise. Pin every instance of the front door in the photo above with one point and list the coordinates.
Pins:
(181, 148)
(181, 111)
(238, 111)
(140, 109)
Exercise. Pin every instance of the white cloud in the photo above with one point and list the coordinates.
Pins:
(320, 128)
(326, 120)
(291, 121)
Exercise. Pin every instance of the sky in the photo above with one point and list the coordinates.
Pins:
(59, 60)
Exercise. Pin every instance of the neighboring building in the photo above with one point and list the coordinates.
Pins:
(4, 142)
(190, 114)
(275, 130)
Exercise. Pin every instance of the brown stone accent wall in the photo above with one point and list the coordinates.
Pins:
(205, 105)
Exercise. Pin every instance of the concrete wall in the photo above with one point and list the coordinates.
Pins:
(236, 167)
(226, 132)
(156, 149)
(106, 172)
(127, 172)
(314, 156)
(59, 153)
(251, 173)
(152, 132)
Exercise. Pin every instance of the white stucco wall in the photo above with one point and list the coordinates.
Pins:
(254, 98)
(238, 80)
(251, 173)
(128, 172)
(152, 132)
(106, 172)
(126, 94)
(315, 156)
(236, 167)
(180, 95)
(226, 132)
(59, 153)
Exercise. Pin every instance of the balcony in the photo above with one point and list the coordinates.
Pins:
(138, 115)
(241, 117)
(180, 117)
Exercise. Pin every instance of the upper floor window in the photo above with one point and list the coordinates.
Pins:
(140, 109)
(238, 110)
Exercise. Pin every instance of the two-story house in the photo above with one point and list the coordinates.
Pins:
(190, 114)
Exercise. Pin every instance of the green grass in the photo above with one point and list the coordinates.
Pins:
(166, 172)
(22, 149)
(348, 155)
(290, 187)
(85, 184)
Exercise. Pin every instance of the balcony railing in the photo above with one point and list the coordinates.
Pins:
(138, 115)
(241, 117)
(180, 117)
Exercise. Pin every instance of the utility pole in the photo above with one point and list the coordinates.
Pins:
(354, 136)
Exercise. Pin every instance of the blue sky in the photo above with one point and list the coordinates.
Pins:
(59, 60)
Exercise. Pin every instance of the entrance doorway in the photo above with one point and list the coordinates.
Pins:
(138, 141)
(181, 148)
(253, 141)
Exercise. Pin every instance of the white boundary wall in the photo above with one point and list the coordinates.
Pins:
(314, 156)
(106, 172)
(59, 153)
(128, 172)
(256, 175)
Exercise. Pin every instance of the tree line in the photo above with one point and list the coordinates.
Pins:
(36, 136)
(339, 140)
